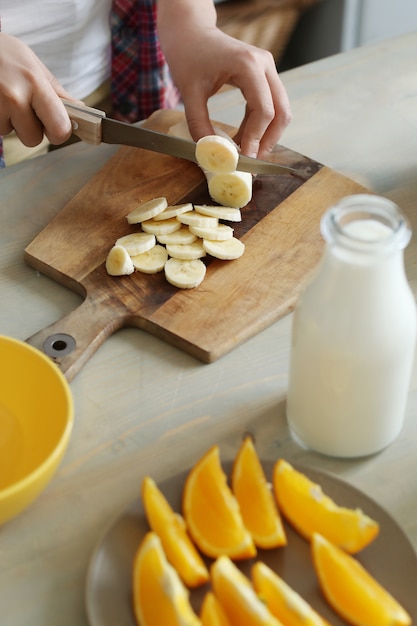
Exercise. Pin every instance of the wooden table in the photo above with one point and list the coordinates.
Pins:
(144, 406)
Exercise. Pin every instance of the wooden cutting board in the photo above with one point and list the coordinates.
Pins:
(237, 299)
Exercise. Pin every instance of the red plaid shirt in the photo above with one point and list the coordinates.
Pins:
(140, 78)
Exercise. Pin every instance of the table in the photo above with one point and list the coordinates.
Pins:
(144, 406)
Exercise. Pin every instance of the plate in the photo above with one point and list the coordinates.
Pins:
(390, 558)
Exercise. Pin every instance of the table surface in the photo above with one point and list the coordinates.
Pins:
(142, 406)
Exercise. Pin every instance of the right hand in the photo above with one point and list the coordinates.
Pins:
(30, 96)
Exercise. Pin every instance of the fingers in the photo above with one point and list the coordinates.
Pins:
(30, 96)
(268, 110)
(197, 115)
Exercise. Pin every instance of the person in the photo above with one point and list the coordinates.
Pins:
(54, 50)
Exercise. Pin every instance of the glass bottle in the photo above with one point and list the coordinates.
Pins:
(354, 333)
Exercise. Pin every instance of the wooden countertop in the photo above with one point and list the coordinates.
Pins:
(142, 405)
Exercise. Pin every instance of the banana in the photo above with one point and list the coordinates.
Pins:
(173, 211)
(226, 250)
(216, 154)
(147, 210)
(192, 218)
(152, 261)
(183, 235)
(136, 243)
(118, 262)
(186, 251)
(232, 190)
(185, 274)
(220, 233)
(229, 214)
(161, 228)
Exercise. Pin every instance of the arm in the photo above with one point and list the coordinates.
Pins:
(29, 96)
(202, 59)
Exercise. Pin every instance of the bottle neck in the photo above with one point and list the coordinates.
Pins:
(365, 229)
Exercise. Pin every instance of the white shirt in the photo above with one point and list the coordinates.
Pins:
(71, 37)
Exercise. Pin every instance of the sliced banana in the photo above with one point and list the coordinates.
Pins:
(136, 243)
(216, 154)
(232, 190)
(186, 251)
(161, 228)
(118, 262)
(185, 274)
(174, 210)
(226, 250)
(229, 214)
(147, 210)
(183, 235)
(152, 261)
(220, 233)
(192, 218)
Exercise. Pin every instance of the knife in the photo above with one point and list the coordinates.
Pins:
(92, 126)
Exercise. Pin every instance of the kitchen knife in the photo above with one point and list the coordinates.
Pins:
(92, 125)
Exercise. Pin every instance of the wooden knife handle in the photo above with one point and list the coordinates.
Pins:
(86, 121)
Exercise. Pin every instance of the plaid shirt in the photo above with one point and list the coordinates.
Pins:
(140, 78)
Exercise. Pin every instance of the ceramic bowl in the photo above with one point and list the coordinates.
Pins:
(36, 419)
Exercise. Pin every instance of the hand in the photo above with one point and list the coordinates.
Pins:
(202, 59)
(29, 96)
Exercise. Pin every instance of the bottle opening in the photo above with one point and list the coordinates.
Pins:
(366, 222)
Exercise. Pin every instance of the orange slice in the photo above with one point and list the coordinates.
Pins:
(171, 529)
(212, 612)
(309, 510)
(212, 513)
(159, 596)
(256, 500)
(238, 597)
(283, 602)
(351, 590)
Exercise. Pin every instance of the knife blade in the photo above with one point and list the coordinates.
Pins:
(92, 126)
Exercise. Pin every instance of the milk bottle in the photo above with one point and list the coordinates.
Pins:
(354, 333)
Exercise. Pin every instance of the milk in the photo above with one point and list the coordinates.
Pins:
(353, 334)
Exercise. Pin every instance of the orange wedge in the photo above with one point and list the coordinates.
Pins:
(159, 596)
(212, 613)
(309, 510)
(256, 500)
(212, 513)
(352, 592)
(171, 529)
(238, 597)
(283, 602)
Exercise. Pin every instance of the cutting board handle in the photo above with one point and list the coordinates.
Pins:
(71, 341)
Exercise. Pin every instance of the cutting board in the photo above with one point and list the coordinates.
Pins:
(237, 299)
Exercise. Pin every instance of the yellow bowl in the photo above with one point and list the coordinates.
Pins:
(36, 419)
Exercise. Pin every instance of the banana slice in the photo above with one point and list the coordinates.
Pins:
(216, 154)
(173, 211)
(192, 218)
(186, 251)
(229, 214)
(118, 262)
(220, 233)
(152, 261)
(226, 250)
(147, 210)
(181, 236)
(185, 274)
(136, 243)
(231, 190)
(161, 228)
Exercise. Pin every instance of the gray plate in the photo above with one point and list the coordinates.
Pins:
(391, 558)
